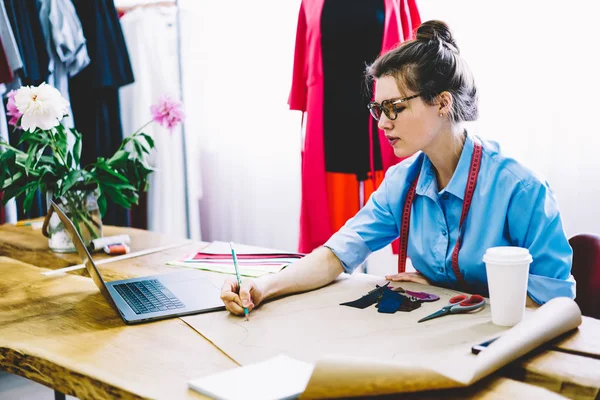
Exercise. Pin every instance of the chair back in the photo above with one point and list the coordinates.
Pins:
(586, 270)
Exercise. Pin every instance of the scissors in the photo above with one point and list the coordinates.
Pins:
(458, 304)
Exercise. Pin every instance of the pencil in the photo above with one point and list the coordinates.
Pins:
(237, 274)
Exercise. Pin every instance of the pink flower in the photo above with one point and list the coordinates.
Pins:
(11, 109)
(168, 112)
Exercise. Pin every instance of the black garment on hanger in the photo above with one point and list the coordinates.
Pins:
(94, 91)
(110, 65)
(351, 38)
(24, 17)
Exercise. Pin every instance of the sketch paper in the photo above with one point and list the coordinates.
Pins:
(277, 378)
(310, 325)
(251, 268)
(362, 348)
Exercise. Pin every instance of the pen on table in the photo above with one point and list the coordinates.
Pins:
(237, 274)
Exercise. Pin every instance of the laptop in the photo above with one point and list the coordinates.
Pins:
(149, 298)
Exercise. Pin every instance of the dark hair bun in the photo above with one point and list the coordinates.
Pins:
(436, 31)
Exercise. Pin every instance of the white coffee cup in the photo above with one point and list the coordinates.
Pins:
(507, 270)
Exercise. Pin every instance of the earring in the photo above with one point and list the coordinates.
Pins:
(441, 115)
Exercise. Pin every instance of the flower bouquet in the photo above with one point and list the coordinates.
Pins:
(50, 162)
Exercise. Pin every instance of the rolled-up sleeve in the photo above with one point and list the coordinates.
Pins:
(534, 222)
(371, 229)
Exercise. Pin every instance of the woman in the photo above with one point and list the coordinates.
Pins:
(424, 93)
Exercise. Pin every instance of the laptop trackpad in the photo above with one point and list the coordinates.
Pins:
(193, 290)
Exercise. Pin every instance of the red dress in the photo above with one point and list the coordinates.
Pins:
(322, 214)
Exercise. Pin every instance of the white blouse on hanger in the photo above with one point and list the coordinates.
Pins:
(151, 37)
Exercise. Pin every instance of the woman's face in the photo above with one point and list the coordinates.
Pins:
(417, 124)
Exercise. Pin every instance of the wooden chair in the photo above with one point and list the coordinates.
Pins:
(586, 270)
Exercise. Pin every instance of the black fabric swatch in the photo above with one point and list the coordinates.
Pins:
(409, 303)
(367, 300)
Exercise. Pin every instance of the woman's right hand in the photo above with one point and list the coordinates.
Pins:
(235, 299)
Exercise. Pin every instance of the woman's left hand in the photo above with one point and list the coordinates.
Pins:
(415, 277)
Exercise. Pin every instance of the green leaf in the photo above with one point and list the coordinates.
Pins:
(27, 136)
(7, 159)
(102, 203)
(123, 186)
(45, 179)
(77, 147)
(112, 172)
(9, 147)
(138, 149)
(145, 147)
(11, 180)
(69, 159)
(15, 190)
(60, 137)
(119, 157)
(148, 139)
(47, 160)
(30, 193)
(38, 155)
(118, 197)
(31, 152)
(72, 178)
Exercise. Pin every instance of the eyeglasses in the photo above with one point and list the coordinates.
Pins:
(389, 107)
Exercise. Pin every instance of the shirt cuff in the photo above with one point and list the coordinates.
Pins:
(349, 247)
(80, 60)
(543, 288)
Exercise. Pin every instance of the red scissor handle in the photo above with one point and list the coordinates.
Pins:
(465, 300)
(458, 299)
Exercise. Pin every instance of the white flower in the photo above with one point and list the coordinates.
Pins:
(42, 106)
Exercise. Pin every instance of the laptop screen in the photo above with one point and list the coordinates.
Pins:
(83, 252)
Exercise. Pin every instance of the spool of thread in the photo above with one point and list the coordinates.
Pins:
(100, 243)
(116, 249)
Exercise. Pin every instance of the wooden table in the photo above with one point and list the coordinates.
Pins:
(59, 331)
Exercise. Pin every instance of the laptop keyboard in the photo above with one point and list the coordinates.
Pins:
(148, 296)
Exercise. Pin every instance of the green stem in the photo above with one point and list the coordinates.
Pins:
(76, 203)
(139, 130)
(8, 146)
(124, 142)
(56, 150)
(84, 218)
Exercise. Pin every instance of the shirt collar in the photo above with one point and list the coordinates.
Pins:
(427, 185)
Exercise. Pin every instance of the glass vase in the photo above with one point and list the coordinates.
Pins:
(81, 206)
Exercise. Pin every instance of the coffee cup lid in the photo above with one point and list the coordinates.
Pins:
(507, 255)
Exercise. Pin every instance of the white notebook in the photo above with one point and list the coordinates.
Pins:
(277, 378)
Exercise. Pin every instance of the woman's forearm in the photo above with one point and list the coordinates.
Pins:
(313, 271)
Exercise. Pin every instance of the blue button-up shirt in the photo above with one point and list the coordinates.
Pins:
(511, 207)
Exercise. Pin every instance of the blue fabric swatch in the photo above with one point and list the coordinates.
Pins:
(390, 301)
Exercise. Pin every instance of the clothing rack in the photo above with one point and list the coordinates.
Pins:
(125, 9)
(183, 138)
